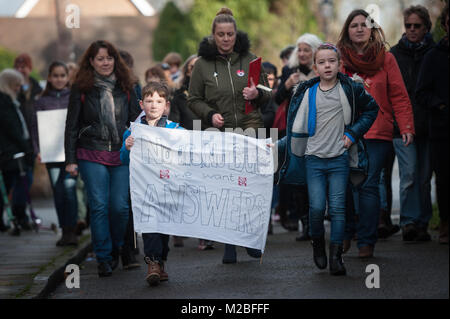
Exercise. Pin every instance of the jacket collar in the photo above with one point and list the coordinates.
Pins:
(161, 122)
(208, 49)
(411, 48)
(59, 93)
(443, 44)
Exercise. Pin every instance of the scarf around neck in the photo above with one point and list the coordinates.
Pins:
(417, 45)
(107, 107)
(368, 64)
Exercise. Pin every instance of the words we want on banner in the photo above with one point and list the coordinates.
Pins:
(201, 184)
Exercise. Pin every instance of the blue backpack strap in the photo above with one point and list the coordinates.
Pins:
(312, 109)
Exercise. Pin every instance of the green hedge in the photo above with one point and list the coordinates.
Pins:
(6, 58)
(270, 24)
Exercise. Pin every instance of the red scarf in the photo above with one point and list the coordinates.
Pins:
(368, 64)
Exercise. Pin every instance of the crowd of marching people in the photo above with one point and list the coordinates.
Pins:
(343, 111)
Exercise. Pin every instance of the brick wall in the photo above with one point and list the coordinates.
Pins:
(35, 35)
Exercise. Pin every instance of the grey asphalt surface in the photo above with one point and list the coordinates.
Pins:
(407, 270)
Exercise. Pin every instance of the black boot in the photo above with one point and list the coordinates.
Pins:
(68, 238)
(305, 229)
(115, 257)
(129, 259)
(19, 212)
(320, 255)
(255, 253)
(336, 263)
(229, 256)
(104, 269)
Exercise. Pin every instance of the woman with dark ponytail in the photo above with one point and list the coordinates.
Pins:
(218, 88)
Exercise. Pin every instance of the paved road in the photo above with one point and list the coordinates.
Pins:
(416, 270)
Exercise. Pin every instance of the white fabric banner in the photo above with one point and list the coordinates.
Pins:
(51, 126)
(201, 184)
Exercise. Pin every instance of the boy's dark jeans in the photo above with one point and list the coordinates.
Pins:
(156, 246)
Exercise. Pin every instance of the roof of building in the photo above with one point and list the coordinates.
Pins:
(23, 8)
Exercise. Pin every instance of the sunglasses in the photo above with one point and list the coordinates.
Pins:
(416, 25)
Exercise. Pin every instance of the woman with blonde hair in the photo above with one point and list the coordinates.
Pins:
(298, 70)
(15, 138)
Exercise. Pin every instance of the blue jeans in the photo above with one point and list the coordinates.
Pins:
(107, 189)
(64, 194)
(410, 207)
(383, 190)
(367, 197)
(327, 178)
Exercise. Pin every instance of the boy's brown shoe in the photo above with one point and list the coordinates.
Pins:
(154, 272)
(163, 275)
(366, 251)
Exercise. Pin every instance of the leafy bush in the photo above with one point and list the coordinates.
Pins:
(270, 24)
(6, 58)
(171, 32)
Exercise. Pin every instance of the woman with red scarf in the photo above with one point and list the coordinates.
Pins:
(365, 58)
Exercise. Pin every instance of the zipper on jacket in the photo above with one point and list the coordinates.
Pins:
(354, 106)
(83, 130)
(234, 92)
(109, 146)
(284, 162)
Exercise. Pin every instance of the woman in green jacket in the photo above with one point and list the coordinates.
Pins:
(218, 88)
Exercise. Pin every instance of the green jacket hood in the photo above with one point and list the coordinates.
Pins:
(208, 49)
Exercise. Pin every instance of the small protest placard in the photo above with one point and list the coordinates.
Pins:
(51, 127)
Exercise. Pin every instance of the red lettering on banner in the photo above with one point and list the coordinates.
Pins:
(242, 181)
(164, 173)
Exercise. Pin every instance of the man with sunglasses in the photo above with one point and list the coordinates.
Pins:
(413, 159)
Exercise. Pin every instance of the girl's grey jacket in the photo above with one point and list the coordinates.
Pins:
(360, 111)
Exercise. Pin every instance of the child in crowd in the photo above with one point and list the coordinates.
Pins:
(154, 103)
(56, 97)
(327, 115)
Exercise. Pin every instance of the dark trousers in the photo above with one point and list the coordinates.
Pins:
(295, 199)
(156, 246)
(440, 158)
(386, 182)
(19, 185)
(64, 194)
(128, 241)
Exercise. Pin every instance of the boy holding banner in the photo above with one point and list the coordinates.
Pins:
(154, 103)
